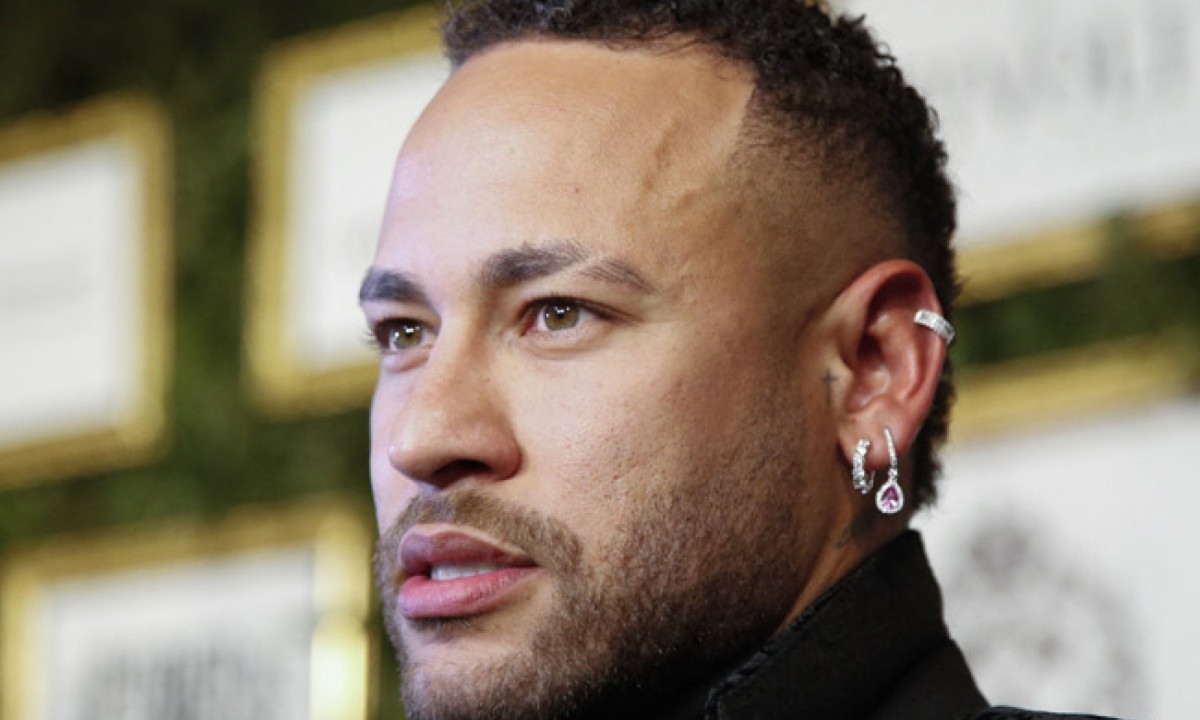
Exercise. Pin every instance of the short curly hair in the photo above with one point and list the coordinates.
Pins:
(822, 83)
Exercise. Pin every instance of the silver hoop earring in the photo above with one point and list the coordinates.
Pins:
(863, 481)
(890, 498)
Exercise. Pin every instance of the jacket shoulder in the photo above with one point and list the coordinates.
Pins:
(1012, 713)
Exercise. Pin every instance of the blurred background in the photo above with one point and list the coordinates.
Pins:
(190, 192)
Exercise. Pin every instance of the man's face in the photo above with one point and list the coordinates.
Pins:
(587, 433)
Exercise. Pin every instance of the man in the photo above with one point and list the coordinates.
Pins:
(660, 287)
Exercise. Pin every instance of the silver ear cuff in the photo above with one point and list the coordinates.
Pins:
(938, 324)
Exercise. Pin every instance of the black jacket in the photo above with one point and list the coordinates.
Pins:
(874, 647)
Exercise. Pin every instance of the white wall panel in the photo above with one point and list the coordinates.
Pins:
(1068, 561)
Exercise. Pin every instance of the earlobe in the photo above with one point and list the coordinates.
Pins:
(892, 340)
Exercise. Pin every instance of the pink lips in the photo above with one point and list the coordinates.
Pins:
(423, 598)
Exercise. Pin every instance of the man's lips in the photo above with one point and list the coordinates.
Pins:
(449, 573)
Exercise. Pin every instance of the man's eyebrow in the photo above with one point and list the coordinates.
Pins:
(391, 286)
(513, 267)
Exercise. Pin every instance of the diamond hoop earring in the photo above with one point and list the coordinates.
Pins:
(890, 498)
(863, 481)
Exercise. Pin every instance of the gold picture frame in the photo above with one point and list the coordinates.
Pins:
(1065, 386)
(88, 619)
(1074, 383)
(1073, 253)
(274, 378)
(141, 125)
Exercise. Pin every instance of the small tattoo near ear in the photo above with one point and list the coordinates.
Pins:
(829, 379)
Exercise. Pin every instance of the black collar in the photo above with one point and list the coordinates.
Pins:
(873, 646)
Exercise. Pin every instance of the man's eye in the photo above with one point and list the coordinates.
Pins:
(396, 335)
(559, 315)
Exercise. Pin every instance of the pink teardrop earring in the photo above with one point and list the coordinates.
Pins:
(890, 498)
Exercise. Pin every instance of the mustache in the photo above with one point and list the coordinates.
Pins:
(548, 541)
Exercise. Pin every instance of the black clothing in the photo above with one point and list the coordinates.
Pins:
(874, 647)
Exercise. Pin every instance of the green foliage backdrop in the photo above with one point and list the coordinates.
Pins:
(201, 59)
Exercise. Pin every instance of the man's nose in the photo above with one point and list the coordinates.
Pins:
(452, 424)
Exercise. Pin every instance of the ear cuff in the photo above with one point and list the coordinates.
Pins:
(938, 324)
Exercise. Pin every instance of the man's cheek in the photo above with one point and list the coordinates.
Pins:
(390, 490)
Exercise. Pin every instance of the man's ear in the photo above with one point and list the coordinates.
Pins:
(893, 363)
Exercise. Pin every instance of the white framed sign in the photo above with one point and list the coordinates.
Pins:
(259, 617)
(1066, 554)
(1056, 114)
(85, 278)
(1062, 530)
(334, 111)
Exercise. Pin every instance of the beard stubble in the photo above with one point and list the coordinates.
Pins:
(693, 581)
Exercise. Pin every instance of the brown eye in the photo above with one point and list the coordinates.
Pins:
(560, 315)
(402, 335)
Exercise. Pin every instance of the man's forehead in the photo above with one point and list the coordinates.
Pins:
(549, 140)
(663, 107)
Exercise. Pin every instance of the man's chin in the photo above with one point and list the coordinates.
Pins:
(510, 665)
(457, 675)
(453, 642)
